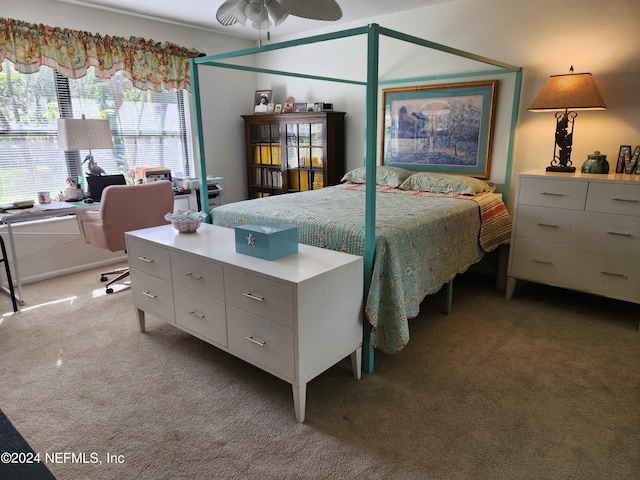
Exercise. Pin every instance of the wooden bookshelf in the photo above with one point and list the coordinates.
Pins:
(293, 152)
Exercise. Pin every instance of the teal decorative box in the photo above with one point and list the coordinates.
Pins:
(267, 240)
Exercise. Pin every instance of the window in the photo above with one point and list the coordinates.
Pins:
(149, 129)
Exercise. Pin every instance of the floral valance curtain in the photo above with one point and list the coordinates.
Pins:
(149, 65)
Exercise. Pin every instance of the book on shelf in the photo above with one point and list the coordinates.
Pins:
(268, 154)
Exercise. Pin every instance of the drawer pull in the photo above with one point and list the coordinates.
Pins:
(253, 297)
(144, 259)
(257, 342)
(621, 234)
(614, 274)
(198, 315)
(553, 194)
(545, 262)
(547, 225)
(618, 199)
(195, 276)
(150, 295)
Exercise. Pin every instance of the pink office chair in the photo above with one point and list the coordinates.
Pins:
(124, 208)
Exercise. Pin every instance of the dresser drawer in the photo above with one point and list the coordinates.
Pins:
(553, 193)
(618, 233)
(260, 296)
(609, 197)
(201, 315)
(149, 258)
(201, 276)
(261, 341)
(607, 273)
(152, 294)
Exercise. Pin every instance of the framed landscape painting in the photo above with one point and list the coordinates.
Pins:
(440, 128)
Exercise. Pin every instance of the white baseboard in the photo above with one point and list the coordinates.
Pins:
(75, 269)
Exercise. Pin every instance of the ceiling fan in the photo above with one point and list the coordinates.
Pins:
(261, 13)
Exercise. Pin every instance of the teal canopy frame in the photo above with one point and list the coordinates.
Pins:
(372, 85)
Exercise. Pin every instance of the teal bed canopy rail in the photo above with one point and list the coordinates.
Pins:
(372, 84)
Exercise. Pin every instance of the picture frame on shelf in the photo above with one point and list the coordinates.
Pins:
(289, 104)
(300, 107)
(278, 108)
(261, 101)
(271, 107)
(440, 128)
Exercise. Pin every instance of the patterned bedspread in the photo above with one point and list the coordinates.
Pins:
(422, 241)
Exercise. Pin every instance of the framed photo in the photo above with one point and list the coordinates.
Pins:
(440, 128)
(277, 108)
(299, 107)
(261, 101)
(271, 107)
(288, 104)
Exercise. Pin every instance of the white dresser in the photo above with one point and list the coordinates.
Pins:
(577, 231)
(293, 317)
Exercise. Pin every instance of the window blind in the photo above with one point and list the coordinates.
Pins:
(149, 129)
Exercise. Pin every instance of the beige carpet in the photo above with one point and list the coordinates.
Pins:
(546, 386)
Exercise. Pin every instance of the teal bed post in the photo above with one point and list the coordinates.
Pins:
(371, 110)
(199, 135)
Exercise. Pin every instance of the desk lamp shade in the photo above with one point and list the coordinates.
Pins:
(564, 94)
(84, 134)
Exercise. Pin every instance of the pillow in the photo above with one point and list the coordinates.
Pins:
(443, 183)
(385, 176)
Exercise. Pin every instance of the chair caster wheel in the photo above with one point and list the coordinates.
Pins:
(103, 278)
(109, 290)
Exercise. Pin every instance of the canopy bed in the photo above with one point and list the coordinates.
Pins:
(367, 193)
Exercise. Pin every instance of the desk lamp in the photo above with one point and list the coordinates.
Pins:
(565, 94)
(85, 134)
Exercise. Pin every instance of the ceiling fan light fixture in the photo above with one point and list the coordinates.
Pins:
(256, 11)
(277, 12)
(237, 12)
(262, 13)
(261, 25)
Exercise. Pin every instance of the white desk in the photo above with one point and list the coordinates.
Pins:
(38, 212)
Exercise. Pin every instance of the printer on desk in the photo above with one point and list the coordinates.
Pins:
(215, 191)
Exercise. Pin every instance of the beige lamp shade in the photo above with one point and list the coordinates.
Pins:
(575, 91)
(84, 134)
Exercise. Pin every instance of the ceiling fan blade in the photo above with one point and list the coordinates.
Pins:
(223, 15)
(314, 9)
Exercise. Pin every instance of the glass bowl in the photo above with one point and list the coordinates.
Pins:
(185, 221)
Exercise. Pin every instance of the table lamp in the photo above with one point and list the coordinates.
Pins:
(85, 134)
(565, 94)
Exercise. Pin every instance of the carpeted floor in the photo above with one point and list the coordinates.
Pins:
(545, 386)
